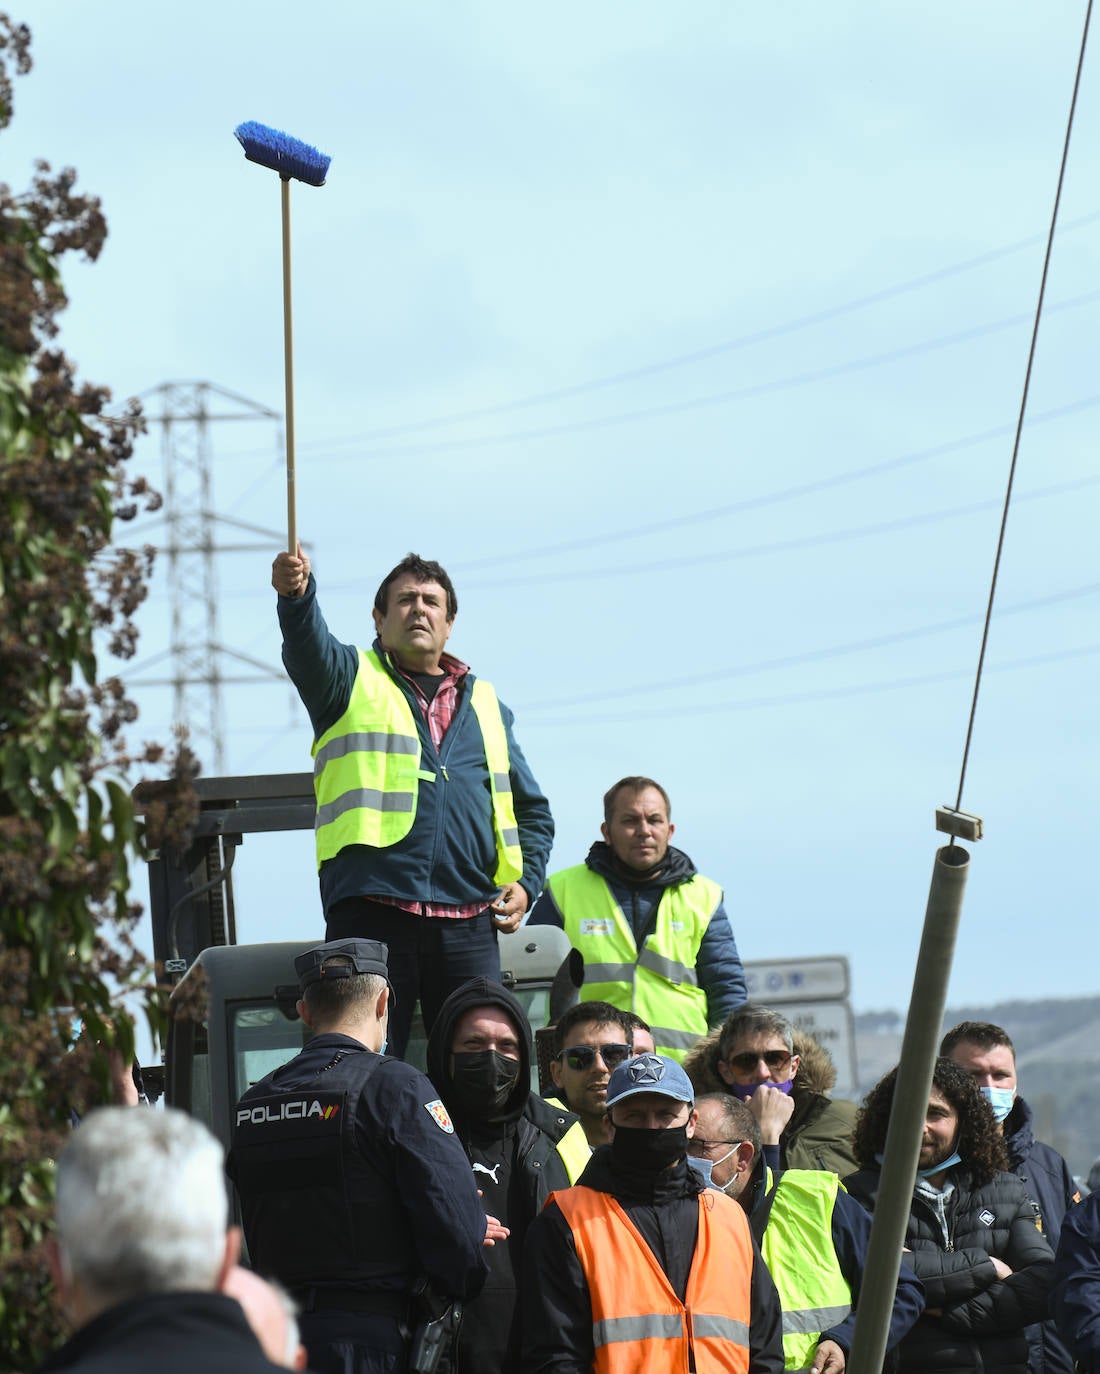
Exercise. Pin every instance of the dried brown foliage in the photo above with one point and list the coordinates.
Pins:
(67, 827)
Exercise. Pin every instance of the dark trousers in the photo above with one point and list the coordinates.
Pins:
(429, 956)
(352, 1343)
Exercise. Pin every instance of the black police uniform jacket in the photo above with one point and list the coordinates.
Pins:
(350, 1176)
(982, 1321)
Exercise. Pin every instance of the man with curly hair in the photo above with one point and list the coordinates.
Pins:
(975, 1245)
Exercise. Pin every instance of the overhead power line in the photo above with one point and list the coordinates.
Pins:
(711, 513)
(712, 399)
(860, 689)
(856, 646)
(703, 558)
(735, 344)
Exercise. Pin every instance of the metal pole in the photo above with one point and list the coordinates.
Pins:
(914, 1082)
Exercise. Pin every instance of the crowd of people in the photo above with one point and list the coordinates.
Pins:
(635, 1219)
(681, 1193)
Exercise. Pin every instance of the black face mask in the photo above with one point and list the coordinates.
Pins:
(484, 1080)
(648, 1151)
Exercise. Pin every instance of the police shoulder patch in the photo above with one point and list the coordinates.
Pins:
(440, 1116)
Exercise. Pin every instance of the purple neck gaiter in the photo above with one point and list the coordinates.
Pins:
(744, 1091)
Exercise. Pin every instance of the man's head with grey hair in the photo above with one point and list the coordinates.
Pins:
(141, 1209)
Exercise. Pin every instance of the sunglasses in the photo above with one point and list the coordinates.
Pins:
(776, 1060)
(582, 1057)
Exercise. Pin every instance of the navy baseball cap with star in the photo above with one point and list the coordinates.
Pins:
(650, 1073)
(341, 959)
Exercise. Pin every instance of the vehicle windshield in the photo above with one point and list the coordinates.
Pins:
(261, 1038)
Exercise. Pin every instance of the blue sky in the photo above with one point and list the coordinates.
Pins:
(690, 339)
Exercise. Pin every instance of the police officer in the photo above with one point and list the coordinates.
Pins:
(353, 1186)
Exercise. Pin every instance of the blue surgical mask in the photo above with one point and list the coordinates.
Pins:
(1000, 1099)
(706, 1168)
(703, 1167)
(948, 1163)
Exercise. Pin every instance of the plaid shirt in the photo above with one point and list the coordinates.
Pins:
(439, 713)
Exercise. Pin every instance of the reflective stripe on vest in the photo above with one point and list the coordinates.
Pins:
(486, 708)
(800, 1254)
(367, 781)
(638, 1322)
(658, 983)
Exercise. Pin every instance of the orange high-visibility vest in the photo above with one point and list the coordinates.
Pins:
(639, 1325)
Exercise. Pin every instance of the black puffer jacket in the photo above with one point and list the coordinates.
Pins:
(982, 1318)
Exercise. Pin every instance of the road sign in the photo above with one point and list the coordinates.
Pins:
(796, 980)
(832, 1025)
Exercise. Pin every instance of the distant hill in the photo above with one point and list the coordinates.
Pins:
(1057, 1056)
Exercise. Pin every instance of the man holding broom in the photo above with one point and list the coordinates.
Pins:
(432, 834)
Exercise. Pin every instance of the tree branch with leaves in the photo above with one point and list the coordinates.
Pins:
(68, 595)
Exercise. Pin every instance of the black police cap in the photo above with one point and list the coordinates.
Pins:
(341, 959)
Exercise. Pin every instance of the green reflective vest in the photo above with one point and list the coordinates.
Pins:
(573, 1147)
(798, 1249)
(658, 982)
(367, 779)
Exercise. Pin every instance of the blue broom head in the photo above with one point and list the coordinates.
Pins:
(290, 157)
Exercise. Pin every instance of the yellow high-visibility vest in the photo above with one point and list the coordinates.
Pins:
(657, 982)
(573, 1148)
(367, 779)
(799, 1252)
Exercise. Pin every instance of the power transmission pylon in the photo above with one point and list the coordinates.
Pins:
(196, 650)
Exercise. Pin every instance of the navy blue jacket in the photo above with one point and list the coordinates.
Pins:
(449, 856)
(1075, 1298)
(1049, 1183)
(717, 964)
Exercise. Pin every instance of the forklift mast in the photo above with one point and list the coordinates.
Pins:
(191, 903)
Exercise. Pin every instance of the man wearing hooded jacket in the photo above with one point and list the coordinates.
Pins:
(654, 934)
(520, 1149)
